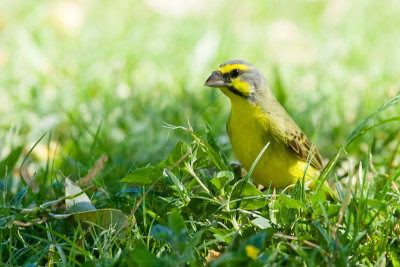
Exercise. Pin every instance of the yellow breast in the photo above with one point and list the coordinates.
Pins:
(249, 130)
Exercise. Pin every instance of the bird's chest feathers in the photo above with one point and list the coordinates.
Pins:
(249, 131)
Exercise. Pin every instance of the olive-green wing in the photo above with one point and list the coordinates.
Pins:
(298, 142)
(292, 135)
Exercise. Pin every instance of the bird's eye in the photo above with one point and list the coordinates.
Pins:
(234, 73)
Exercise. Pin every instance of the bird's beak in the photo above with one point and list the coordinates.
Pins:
(215, 80)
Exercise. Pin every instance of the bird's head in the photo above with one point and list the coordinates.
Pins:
(238, 78)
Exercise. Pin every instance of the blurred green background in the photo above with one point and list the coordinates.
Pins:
(105, 77)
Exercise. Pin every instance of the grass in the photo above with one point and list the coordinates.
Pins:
(107, 92)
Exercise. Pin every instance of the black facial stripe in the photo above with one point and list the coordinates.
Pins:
(236, 92)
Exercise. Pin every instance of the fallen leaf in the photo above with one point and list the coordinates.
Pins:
(34, 221)
(93, 172)
(81, 210)
(78, 203)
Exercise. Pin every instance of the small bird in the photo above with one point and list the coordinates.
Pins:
(256, 119)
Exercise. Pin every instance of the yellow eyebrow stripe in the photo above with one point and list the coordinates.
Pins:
(229, 68)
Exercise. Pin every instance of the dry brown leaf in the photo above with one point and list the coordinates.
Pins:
(93, 172)
(28, 177)
(36, 221)
(212, 255)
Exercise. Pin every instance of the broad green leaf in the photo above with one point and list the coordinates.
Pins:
(249, 189)
(226, 174)
(333, 210)
(222, 235)
(375, 202)
(141, 256)
(176, 222)
(162, 232)
(261, 223)
(106, 218)
(319, 196)
(178, 186)
(180, 149)
(222, 179)
(207, 148)
(219, 182)
(199, 159)
(249, 196)
(142, 176)
(196, 239)
(291, 203)
(394, 257)
(318, 209)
